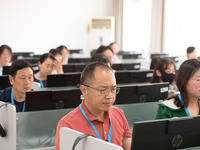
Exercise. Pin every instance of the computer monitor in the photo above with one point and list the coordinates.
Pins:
(126, 66)
(55, 99)
(4, 82)
(158, 55)
(66, 79)
(156, 58)
(165, 134)
(68, 68)
(130, 56)
(135, 76)
(78, 60)
(75, 67)
(72, 51)
(140, 93)
(20, 55)
(6, 70)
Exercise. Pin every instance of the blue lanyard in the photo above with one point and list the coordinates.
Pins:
(41, 83)
(186, 110)
(1, 69)
(12, 100)
(95, 130)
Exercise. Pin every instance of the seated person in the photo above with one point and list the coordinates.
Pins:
(21, 79)
(106, 50)
(115, 49)
(191, 53)
(65, 53)
(164, 71)
(5, 56)
(95, 115)
(100, 58)
(46, 66)
(186, 103)
(58, 63)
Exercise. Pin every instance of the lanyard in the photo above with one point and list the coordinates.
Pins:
(95, 130)
(185, 108)
(12, 100)
(41, 83)
(1, 69)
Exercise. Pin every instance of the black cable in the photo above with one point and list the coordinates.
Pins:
(78, 139)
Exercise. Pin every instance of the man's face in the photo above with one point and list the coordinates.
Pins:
(94, 100)
(23, 80)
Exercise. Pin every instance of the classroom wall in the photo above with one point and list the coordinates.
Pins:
(39, 25)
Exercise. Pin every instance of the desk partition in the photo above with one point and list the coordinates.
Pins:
(36, 130)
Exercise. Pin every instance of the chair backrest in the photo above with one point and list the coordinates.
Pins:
(68, 136)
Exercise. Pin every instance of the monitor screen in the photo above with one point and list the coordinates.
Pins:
(55, 99)
(126, 66)
(139, 93)
(135, 76)
(6, 70)
(76, 67)
(79, 60)
(66, 79)
(4, 82)
(166, 134)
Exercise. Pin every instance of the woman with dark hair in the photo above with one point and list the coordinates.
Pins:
(46, 66)
(164, 71)
(5, 56)
(65, 53)
(186, 103)
(58, 69)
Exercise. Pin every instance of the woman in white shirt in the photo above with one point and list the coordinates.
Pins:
(5, 56)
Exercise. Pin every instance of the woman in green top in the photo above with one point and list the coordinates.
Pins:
(187, 102)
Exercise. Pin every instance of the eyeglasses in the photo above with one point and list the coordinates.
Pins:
(106, 92)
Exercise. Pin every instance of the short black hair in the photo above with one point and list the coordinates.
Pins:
(61, 47)
(45, 56)
(103, 48)
(190, 49)
(88, 72)
(100, 58)
(55, 52)
(3, 47)
(18, 65)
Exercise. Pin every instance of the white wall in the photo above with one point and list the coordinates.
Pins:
(39, 25)
(136, 26)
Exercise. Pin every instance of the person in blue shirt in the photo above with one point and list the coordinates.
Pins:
(21, 79)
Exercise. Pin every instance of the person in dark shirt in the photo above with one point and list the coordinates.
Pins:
(46, 66)
(21, 79)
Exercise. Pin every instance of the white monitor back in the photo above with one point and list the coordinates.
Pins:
(8, 122)
(68, 136)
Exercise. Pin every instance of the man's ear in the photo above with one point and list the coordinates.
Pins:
(39, 64)
(158, 73)
(83, 89)
(11, 79)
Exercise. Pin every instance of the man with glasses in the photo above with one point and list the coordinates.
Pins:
(95, 115)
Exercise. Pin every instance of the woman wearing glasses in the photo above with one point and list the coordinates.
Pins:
(95, 115)
(186, 103)
(46, 66)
